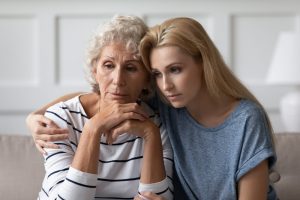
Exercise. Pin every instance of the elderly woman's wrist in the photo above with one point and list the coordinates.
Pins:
(152, 134)
(92, 130)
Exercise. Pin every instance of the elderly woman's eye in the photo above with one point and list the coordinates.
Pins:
(131, 68)
(108, 66)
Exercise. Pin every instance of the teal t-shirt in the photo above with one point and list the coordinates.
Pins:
(210, 161)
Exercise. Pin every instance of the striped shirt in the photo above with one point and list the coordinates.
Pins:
(119, 165)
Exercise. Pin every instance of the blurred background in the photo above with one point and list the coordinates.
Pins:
(43, 42)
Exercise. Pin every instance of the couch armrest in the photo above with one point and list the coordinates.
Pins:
(21, 168)
(288, 166)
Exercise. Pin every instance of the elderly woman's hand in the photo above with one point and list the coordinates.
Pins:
(112, 114)
(44, 131)
(141, 129)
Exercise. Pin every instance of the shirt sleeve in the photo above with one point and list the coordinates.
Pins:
(257, 143)
(163, 188)
(62, 181)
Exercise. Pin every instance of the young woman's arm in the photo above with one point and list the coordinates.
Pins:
(254, 184)
(43, 130)
(66, 97)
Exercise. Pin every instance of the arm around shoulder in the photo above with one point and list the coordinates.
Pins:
(44, 131)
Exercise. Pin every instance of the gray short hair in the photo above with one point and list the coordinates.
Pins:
(127, 30)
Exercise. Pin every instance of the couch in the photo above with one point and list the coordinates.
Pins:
(21, 167)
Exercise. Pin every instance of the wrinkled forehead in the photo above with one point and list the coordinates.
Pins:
(119, 50)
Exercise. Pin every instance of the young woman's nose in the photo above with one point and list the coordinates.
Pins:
(118, 77)
(167, 83)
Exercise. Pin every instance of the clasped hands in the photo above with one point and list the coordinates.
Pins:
(112, 120)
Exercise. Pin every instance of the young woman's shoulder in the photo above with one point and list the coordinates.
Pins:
(248, 108)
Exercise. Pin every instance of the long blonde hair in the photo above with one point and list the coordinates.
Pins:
(190, 36)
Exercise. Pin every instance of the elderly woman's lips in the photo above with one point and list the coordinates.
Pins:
(118, 95)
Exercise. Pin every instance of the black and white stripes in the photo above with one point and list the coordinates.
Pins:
(118, 167)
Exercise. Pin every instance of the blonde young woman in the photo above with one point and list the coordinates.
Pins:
(220, 134)
(113, 147)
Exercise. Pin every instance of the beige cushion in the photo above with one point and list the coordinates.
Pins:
(21, 168)
(288, 166)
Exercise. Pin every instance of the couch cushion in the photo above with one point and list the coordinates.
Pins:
(21, 168)
(288, 166)
(19, 152)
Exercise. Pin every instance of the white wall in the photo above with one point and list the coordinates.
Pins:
(42, 45)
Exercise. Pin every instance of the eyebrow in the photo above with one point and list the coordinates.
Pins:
(129, 60)
(168, 66)
(132, 60)
(110, 57)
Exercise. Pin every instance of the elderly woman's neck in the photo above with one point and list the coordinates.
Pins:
(90, 103)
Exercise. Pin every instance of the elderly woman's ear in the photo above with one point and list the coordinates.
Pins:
(94, 71)
(94, 64)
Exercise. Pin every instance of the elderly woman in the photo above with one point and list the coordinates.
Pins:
(114, 148)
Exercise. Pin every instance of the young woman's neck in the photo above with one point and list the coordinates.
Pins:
(210, 111)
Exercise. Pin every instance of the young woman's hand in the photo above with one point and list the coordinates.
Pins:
(44, 131)
(148, 196)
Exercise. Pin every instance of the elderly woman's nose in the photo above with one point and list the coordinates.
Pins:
(118, 77)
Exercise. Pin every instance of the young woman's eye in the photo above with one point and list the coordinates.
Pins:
(156, 74)
(175, 70)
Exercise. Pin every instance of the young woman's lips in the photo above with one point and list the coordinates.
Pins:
(173, 97)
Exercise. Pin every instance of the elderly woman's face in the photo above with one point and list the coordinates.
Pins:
(120, 76)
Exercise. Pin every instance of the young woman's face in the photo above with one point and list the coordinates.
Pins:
(121, 77)
(177, 74)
